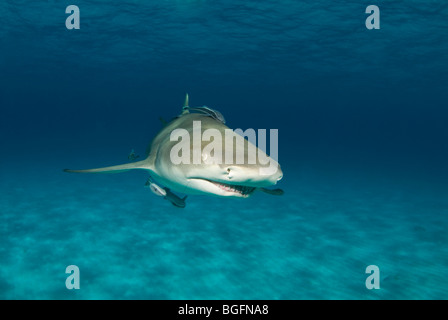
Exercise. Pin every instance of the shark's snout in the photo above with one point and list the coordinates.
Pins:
(279, 175)
(276, 176)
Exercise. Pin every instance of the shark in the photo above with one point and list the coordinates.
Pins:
(228, 179)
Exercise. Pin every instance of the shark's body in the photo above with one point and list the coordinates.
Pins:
(237, 180)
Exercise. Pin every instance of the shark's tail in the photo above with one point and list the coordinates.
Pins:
(115, 169)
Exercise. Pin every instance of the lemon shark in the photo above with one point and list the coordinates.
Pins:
(231, 178)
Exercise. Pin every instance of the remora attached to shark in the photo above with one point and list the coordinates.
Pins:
(220, 179)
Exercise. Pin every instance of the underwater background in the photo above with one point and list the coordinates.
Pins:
(363, 144)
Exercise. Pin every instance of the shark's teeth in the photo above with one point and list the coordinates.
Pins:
(243, 190)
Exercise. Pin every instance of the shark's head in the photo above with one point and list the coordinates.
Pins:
(224, 166)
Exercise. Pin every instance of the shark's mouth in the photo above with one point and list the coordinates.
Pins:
(234, 188)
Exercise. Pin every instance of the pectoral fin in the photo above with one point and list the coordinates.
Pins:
(275, 192)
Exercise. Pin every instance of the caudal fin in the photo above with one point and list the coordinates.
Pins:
(115, 169)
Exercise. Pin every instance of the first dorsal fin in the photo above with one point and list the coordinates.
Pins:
(186, 105)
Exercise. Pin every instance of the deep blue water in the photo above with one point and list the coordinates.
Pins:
(363, 143)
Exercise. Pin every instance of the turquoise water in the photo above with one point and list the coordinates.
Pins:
(361, 116)
(314, 243)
